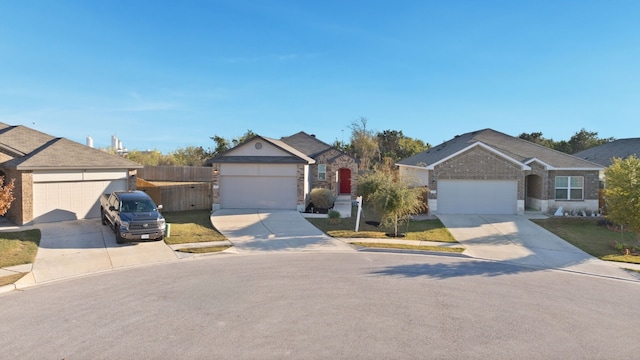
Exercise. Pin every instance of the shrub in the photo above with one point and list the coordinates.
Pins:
(334, 217)
(322, 198)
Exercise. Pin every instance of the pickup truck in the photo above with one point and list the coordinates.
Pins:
(132, 215)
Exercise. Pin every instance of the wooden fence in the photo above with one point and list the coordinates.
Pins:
(178, 188)
(176, 173)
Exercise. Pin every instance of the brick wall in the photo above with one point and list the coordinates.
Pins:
(479, 163)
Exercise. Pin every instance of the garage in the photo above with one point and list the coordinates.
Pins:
(258, 186)
(71, 195)
(264, 192)
(477, 197)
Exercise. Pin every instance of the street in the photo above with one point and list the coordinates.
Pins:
(361, 305)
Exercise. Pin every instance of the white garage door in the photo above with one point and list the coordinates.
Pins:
(59, 201)
(477, 197)
(258, 192)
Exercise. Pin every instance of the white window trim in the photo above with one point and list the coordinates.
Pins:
(568, 187)
(322, 172)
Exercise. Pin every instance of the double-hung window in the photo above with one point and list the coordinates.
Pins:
(569, 188)
(322, 172)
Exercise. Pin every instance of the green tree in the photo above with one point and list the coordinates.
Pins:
(363, 141)
(622, 192)
(150, 158)
(393, 198)
(584, 139)
(580, 141)
(191, 156)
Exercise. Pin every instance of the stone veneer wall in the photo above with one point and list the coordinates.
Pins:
(341, 162)
(21, 210)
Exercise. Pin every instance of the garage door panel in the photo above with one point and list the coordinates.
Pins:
(477, 197)
(263, 192)
(61, 201)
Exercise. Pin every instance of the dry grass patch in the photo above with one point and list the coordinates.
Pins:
(191, 227)
(7, 280)
(410, 247)
(204, 249)
(20, 247)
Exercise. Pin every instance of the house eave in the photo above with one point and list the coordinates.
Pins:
(484, 146)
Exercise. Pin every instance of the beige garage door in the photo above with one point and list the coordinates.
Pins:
(258, 192)
(60, 201)
(477, 197)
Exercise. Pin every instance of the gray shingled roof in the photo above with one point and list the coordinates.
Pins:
(516, 148)
(34, 150)
(308, 144)
(603, 154)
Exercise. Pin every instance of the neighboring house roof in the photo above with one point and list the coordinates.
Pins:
(310, 145)
(297, 157)
(34, 150)
(307, 144)
(515, 149)
(604, 154)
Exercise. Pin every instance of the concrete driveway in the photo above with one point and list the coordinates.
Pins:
(252, 230)
(73, 248)
(516, 239)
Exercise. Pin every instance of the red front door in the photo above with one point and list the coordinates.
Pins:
(344, 176)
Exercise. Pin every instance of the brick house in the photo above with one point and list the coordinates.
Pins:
(57, 179)
(488, 172)
(279, 174)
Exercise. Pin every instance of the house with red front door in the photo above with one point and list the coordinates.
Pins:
(266, 173)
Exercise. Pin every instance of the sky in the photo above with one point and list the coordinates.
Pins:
(166, 75)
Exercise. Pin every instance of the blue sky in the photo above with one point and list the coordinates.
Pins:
(170, 74)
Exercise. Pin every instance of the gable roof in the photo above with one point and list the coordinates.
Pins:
(34, 150)
(515, 149)
(296, 156)
(307, 144)
(311, 146)
(604, 154)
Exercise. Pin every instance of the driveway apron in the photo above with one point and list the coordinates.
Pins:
(516, 239)
(258, 231)
(79, 247)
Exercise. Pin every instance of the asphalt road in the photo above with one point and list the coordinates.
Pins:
(363, 305)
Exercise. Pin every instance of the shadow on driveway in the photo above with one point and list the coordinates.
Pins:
(252, 230)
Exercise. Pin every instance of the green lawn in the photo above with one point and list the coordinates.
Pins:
(20, 247)
(584, 233)
(17, 248)
(426, 230)
(191, 227)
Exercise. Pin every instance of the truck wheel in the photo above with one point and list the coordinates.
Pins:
(103, 217)
(119, 238)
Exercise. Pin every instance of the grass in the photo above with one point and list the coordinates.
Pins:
(20, 247)
(410, 247)
(585, 234)
(425, 230)
(191, 227)
(204, 249)
(7, 280)
(17, 248)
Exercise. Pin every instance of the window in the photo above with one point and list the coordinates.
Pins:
(322, 172)
(569, 188)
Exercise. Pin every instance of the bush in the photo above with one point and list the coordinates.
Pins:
(322, 198)
(334, 217)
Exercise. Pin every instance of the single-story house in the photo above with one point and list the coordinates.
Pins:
(267, 173)
(58, 179)
(604, 154)
(488, 172)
